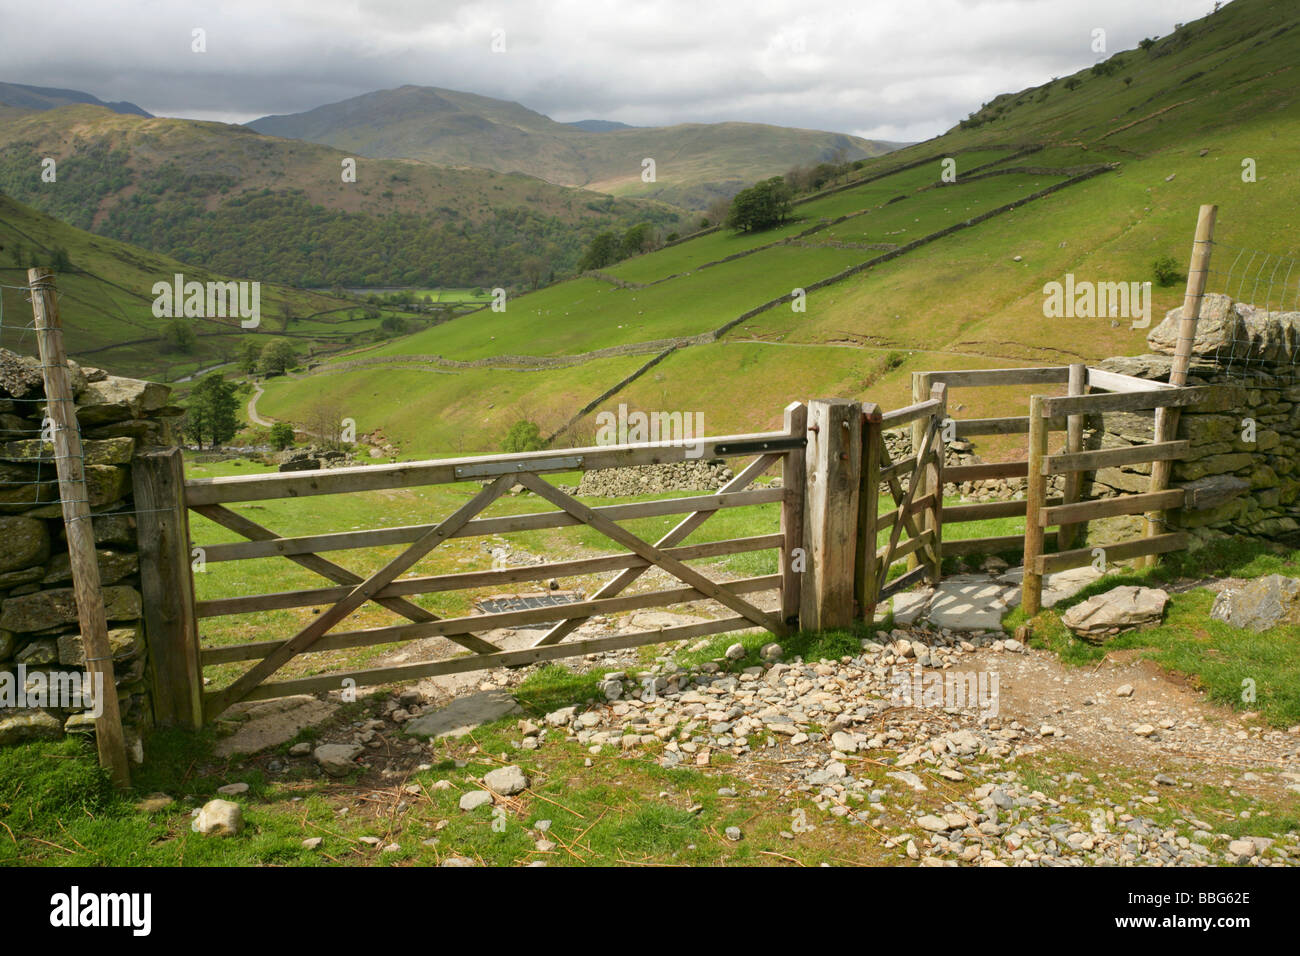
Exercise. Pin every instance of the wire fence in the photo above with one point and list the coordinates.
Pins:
(1259, 336)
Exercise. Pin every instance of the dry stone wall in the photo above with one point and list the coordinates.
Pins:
(1245, 437)
(40, 640)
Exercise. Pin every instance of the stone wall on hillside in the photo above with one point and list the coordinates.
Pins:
(39, 633)
(1245, 486)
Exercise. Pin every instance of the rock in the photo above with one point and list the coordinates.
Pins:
(463, 715)
(1259, 604)
(843, 742)
(113, 567)
(771, 652)
(736, 652)
(154, 802)
(1119, 609)
(1218, 327)
(506, 781)
(338, 760)
(561, 717)
(733, 834)
(123, 642)
(21, 726)
(475, 799)
(932, 823)
(219, 818)
(457, 861)
(24, 542)
(233, 789)
(38, 653)
(312, 843)
(53, 608)
(1242, 848)
(117, 399)
(1124, 690)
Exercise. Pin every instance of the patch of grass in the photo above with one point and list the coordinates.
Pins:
(555, 686)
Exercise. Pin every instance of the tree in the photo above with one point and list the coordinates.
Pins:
(250, 355)
(604, 251)
(281, 436)
(210, 414)
(640, 238)
(761, 206)
(278, 357)
(533, 269)
(178, 336)
(523, 436)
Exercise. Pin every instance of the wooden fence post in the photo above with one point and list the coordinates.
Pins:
(167, 585)
(834, 462)
(61, 409)
(933, 520)
(1166, 423)
(793, 483)
(920, 392)
(1031, 595)
(868, 567)
(1066, 533)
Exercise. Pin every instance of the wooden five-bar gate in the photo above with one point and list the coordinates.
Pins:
(173, 615)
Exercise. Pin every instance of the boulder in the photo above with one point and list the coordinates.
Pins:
(219, 818)
(116, 399)
(1119, 609)
(1218, 327)
(1260, 604)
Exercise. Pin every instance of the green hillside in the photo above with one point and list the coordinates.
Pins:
(694, 162)
(229, 199)
(106, 303)
(914, 277)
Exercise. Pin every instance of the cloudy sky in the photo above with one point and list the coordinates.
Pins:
(886, 69)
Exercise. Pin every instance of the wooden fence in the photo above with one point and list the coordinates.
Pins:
(173, 614)
(836, 549)
(1088, 391)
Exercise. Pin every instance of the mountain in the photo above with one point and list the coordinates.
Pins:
(1095, 175)
(694, 163)
(599, 126)
(235, 201)
(19, 96)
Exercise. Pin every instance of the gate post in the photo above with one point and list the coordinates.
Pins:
(920, 393)
(793, 484)
(868, 565)
(167, 586)
(1031, 593)
(834, 462)
(1066, 533)
(934, 482)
